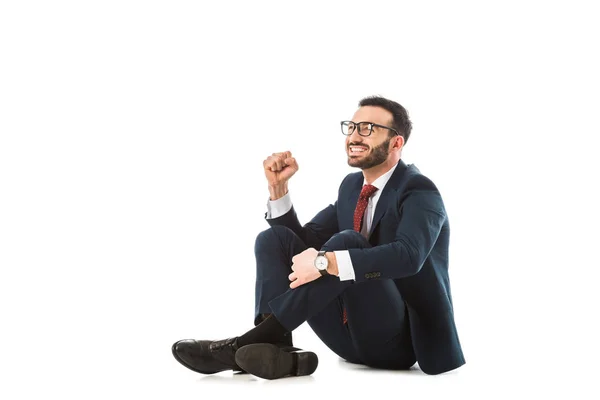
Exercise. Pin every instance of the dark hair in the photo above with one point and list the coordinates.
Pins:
(400, 120)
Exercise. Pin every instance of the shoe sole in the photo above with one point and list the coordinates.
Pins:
(268, 361)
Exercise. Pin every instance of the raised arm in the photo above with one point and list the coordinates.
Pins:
(279, 168)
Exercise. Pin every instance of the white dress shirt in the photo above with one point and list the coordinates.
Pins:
(279, 207)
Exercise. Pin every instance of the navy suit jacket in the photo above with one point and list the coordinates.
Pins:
(410, 238)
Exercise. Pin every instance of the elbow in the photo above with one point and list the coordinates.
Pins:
(414, 267)
(412, 259)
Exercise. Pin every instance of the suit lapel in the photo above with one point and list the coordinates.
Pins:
(386, 195)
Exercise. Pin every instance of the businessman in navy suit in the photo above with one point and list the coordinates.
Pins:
(368, 273)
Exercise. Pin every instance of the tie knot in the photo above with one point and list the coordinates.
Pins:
(367, 191)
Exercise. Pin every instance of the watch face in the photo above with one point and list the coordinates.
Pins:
(321, 263)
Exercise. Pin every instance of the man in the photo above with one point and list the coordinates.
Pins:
(369, 273)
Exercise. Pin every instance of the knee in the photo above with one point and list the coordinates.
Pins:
(351, 234)
(346, 239)
(270, 234)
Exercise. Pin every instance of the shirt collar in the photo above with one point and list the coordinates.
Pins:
(380, 182)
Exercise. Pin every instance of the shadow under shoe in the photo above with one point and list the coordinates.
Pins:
(269, 361)
(197, 356)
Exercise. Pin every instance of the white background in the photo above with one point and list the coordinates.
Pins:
(132, 190)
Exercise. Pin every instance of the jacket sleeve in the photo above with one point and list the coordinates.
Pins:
(421, 216)
(317, 231)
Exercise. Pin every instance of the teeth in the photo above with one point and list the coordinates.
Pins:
(357, 149)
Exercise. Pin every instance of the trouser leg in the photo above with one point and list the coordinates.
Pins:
(273, 249)
(377, 328)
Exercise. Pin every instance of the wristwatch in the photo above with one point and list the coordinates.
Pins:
(321, 263)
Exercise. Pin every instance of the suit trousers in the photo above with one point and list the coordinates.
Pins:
(377, 333)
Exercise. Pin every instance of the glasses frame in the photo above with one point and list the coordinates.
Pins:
(357, 126)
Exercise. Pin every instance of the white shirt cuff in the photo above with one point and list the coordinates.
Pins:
(344, 264)
(279, 207)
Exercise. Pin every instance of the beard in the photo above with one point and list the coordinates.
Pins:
(377, 156)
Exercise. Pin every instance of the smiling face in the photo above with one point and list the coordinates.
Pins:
(367, 152)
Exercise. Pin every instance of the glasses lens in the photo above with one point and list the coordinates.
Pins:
(347, 127)
(364, 128)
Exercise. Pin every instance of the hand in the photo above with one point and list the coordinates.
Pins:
(279, 168)
(303, 265)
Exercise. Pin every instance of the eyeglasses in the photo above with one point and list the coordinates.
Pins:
(364, 128)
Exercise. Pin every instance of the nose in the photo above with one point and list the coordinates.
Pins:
(355, 137)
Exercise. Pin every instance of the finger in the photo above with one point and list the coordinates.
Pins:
(279, 164)
(276, 163)
(292, 276)
(283, 154)
(268, 163)
(273, 164)
(280, 156)
(291, 161)
(295, 284)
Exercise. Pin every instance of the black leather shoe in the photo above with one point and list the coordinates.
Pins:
(269, 361)
(224, 351)
(196, 355)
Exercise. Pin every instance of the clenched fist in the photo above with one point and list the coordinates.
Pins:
(279, 168)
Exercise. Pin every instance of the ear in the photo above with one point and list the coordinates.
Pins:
(399, 143)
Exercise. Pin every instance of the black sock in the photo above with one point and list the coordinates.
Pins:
(268, 331)
(285, 341)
